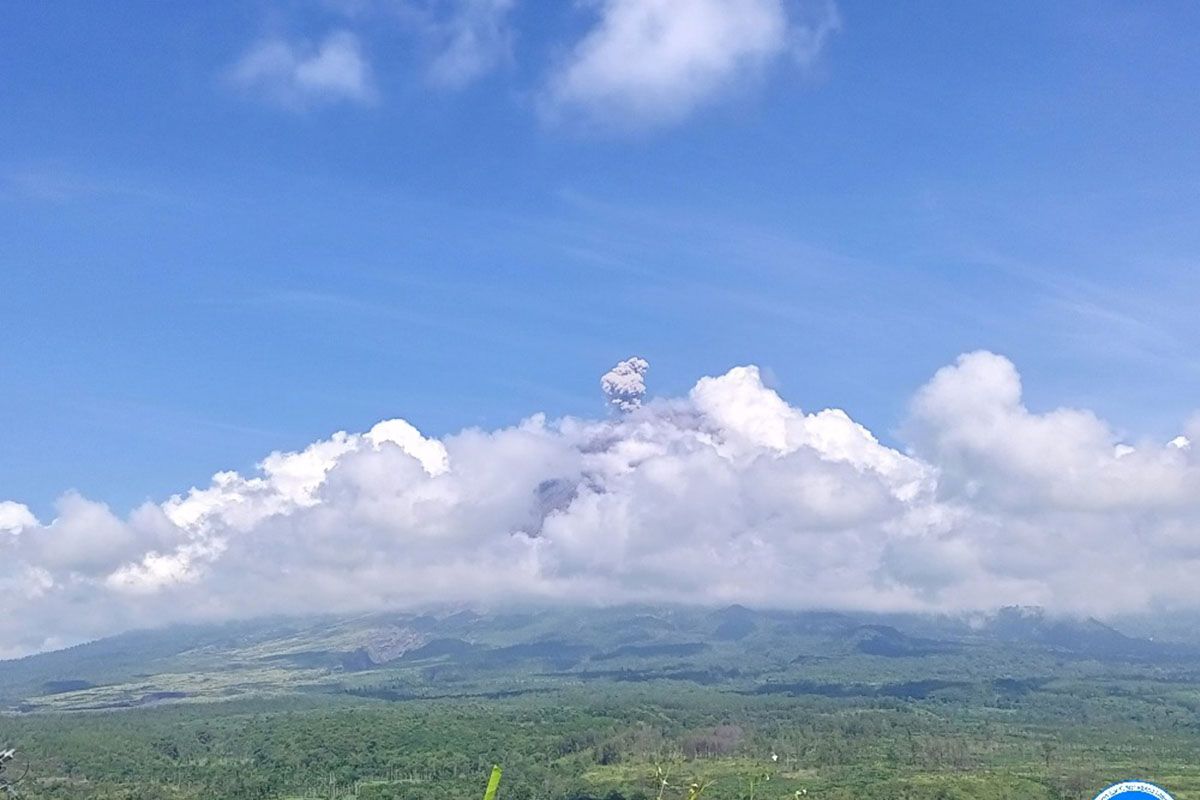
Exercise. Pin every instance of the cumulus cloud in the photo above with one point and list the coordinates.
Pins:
(14, 517)
(298, 75)
(729, 494)
(625, 384)
(652, 62)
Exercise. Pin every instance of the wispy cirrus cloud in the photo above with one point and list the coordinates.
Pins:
(301, 74)
(456, 41)
(469, 41)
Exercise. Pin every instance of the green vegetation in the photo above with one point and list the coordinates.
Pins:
(629, 703)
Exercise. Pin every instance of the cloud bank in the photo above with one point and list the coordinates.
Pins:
(729, 494)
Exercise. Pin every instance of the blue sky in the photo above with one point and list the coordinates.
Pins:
(206, 255)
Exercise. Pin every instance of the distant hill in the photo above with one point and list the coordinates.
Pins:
(469, 653)
(1088, 636)
(884, 640)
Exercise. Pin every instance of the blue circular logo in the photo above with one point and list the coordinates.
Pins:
(1134, 790)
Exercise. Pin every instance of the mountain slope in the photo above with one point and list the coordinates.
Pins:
(398, 656)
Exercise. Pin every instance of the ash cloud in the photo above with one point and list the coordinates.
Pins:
(625, 384)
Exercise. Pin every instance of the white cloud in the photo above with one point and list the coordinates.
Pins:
(298, 75)
(471, 40)
(14, 517)
(458, 41)
(728, 494)
(970, 421)
(652, 62)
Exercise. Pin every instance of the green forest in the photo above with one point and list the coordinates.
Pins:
(855, 710)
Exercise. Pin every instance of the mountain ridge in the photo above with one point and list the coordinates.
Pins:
(470, 651)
